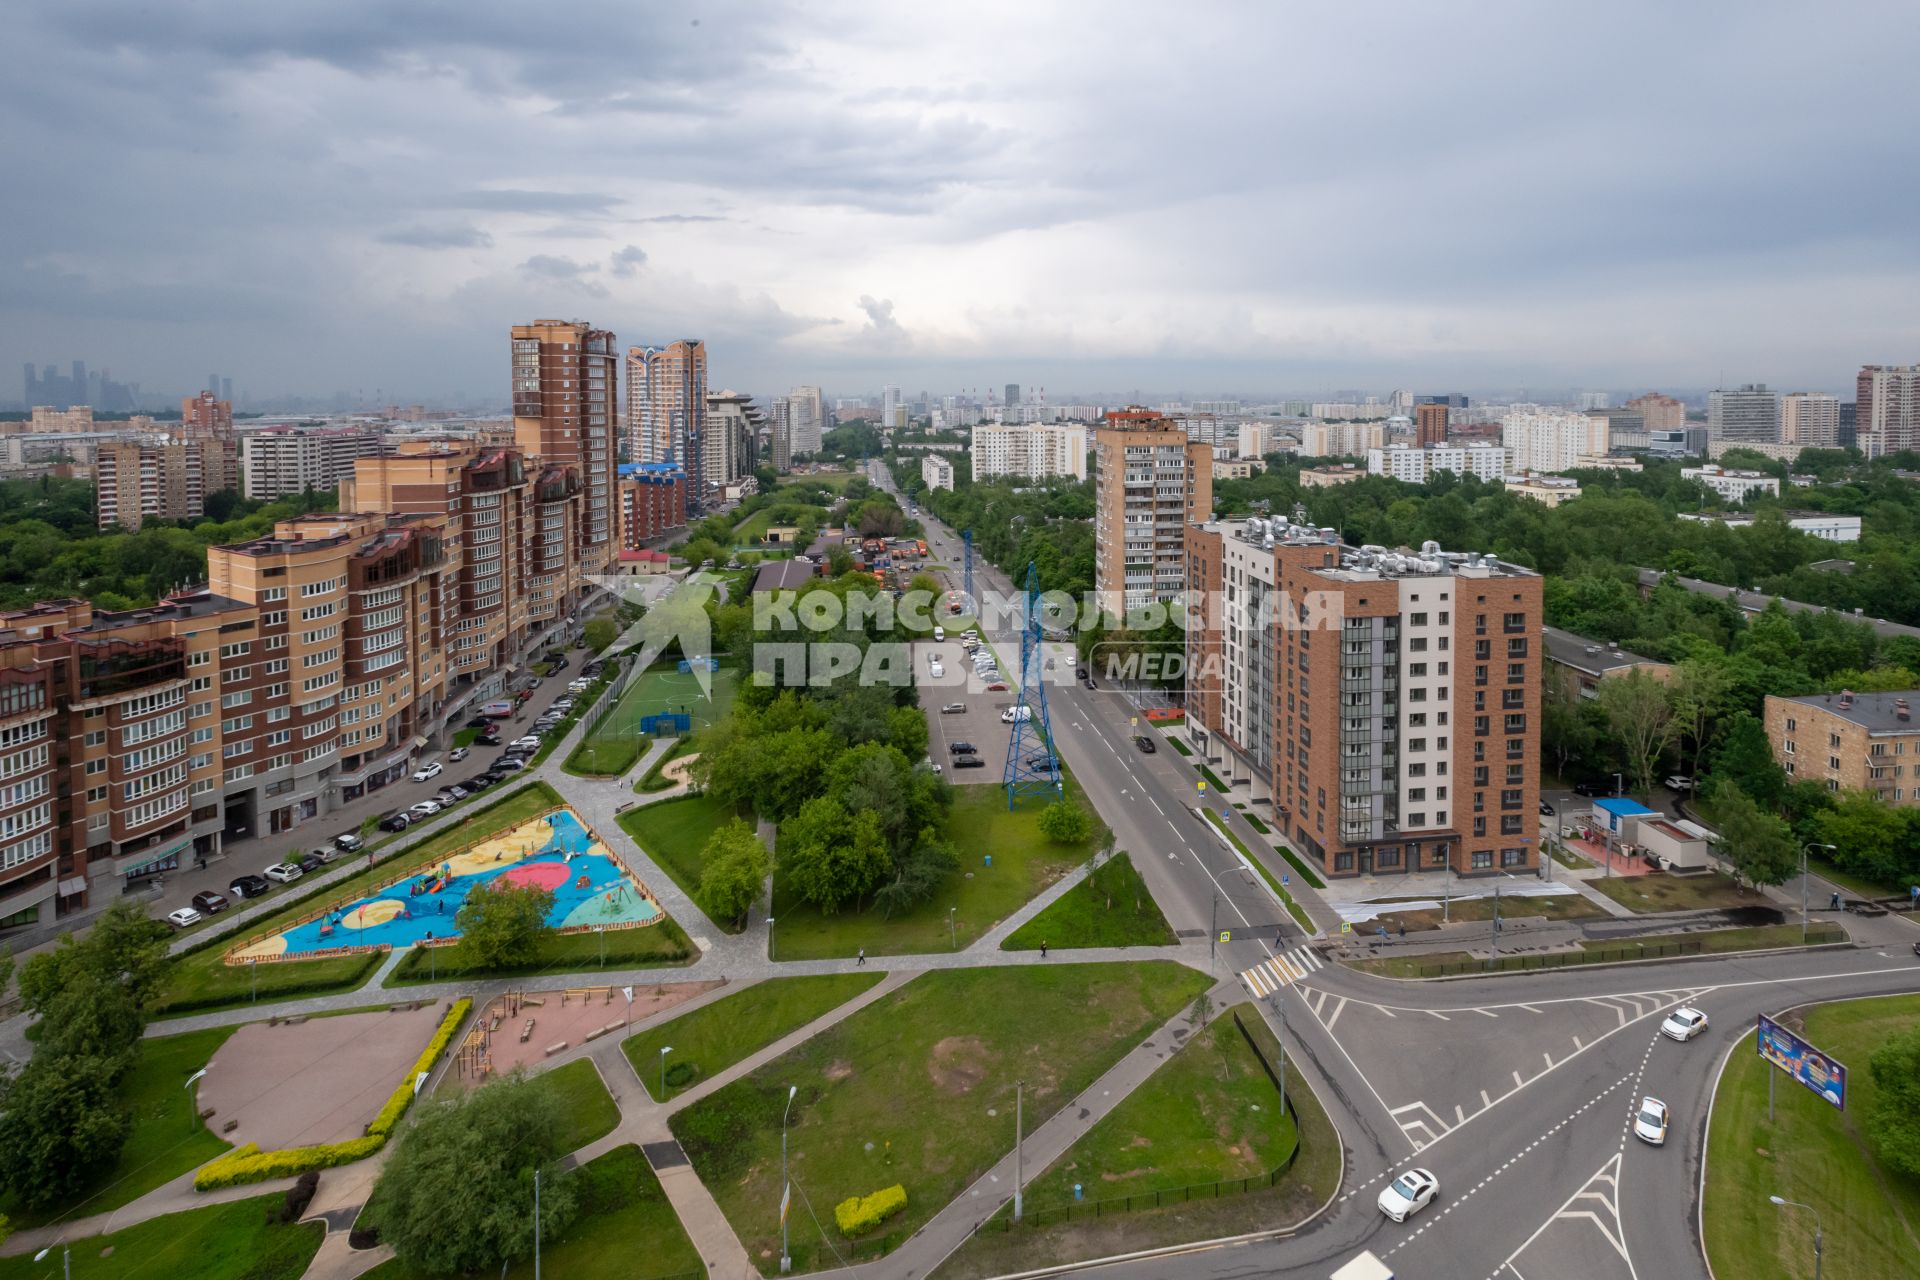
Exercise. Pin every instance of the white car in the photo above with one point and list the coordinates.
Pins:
(1650, 1122)
(284, 872)
(428, 773)
(184, 917)
(1684, 1023)
(1408, 1194)
(1680, 782)
(939, 633)
(936, 671)
(530, 742)
(426, 809)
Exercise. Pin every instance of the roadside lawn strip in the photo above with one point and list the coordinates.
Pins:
(1663, 891)
(714, 1037)
(164, 1142)
(673, 833)
(231, 1241)
(1110, 908)
(953, 1042)
(1279, 891)
(1812, 1153)
(1185, 1111)
(1560, 906)
(201, 981)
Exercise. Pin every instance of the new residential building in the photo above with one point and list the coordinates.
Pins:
(666, 402)
(1054, 449)
(1150, 482)
(1386, 703)
(1551, 441)
(1810, 420)
(730, 444)
(1430, 423)
(566, 389)
(653, 500)
(1341, 439)
(809, 416)
(1887, 412)
(1414, 465)
(1662, 412)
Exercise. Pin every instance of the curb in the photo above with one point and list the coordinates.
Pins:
(1706, 1138)
(1617, 964)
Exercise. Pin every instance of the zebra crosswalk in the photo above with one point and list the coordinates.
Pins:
(1269, 976)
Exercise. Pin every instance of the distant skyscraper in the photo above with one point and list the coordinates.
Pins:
(1453, 400)
(1887, 416)
(1748, 414)
(1810, 420)
(566, 388)
(1013, 394)
(1849, 424)
(889, 404)
(809, 412)
(667, 406)
(1430, 424)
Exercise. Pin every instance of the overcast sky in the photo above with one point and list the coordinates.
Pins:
(1239, 198)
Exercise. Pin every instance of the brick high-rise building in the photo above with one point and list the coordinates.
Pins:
(1387, 703)
(1151, 481)
(1887, 408)
(566, 389)
(1662, 412)
(1430, 423)
(143, 478)
(653, 500)
(206, 412)
(208, 421)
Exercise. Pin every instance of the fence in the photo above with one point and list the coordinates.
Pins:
(1041, 1215)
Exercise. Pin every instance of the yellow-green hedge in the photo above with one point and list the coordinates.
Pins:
(858, 1215)
(251, 1164)
(402, 1097)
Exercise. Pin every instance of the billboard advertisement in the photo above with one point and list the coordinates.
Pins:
(1803, 1062)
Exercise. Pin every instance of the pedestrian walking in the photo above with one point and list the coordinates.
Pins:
(863, 957)
(1403, 928)
(1835, 904)
(1043, 948)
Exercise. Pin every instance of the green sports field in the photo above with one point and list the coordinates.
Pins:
(614, 742)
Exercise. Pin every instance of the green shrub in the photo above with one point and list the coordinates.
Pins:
(251, 1164)
(402, 1096)
(679, 1075)
(858, 1215)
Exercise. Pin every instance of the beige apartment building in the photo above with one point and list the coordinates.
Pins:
(1150, 482)
(141, 478)
(566, 391)
(1849, 742)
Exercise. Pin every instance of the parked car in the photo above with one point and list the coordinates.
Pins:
(935, 671)
(478, 722)
(248, 887)
(425, 809)
(969, 762)
(1592, 789)
(1650, 1122)
(531, 742)
(1145, 743)
(1408, 1194)
(939, 633)
(1080, 672)
(308, 862)
(953, 708)
(326, 853)
(348, 842)
(284, 872)
(1046, 762)
(478, 782)
(458, 754)
(1679, 782)
(453, 794)
(1684, 1023)
(507, 764)
(184, 917)
(427, 773)
(961, 749)
(1546, 810)
(396, 821)
(998, 686)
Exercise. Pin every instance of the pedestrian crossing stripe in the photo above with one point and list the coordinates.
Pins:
(1269, 976)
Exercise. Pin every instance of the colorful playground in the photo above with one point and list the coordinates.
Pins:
(556, 852)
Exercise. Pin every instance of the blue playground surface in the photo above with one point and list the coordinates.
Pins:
(589, 887)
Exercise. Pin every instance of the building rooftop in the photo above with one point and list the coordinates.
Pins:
(1623, 807)
(662, 470)
(783, 575)
(1591, 656)
(1755, 601)
(1369, 562)
(1874, 712)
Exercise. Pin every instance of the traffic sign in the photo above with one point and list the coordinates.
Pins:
(1226, 935)
(1202, 784)
(1346, 926)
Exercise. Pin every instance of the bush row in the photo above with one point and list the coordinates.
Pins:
(858, 1215)
(402, 1096)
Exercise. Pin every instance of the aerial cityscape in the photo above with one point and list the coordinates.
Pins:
(775, 639)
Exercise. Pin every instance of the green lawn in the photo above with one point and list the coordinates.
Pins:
(1595, 951)
(1280, 891)
(1213, 780)
(201, 980)
(1812, 1153)
(590, 1110)
(626, 1229)
(1857, 885)
(221, 1242)
(1110, 908)
(980, 825)
(714, 1037)
(918, 1089)
(656, 945)
(1180, 746)
(1300, 868)
(1661, 891)
(615, 742)
(673, 832)
(655, 779)
(166, 1139)
(1002, 1248)
(1565, 906)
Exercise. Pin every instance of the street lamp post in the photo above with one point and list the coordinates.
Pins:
(192, 1080)
(66, 1259)
(953, 931)
(786, 1187)
(770, 954)
(1019, 1086)
(1817, 1240)
(1546, 845)
(1803, 885)
(665, 1049)
(536, 1224)
(1616, 785)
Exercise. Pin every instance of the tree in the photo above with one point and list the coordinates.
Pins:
(1758, 845)
(458, 1190)
(1896, 1111)
(123, 948)
(61, 1123)
(601, 632)
(1869, 836)
(91, 1017)
(503, 924)
(832, 858)
(1065, 822)
(917, 874)
(1745, 760)
(1699, 688)
(1639, 710)
(733, 867)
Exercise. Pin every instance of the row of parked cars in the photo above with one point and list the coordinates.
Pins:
(208, 902)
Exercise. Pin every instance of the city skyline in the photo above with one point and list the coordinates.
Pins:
(327, 194)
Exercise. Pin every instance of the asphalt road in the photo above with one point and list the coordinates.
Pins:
(1516, 1091)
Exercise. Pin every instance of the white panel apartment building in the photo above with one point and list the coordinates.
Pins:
(936, 472)
(1056, 450)
(1551, 442)
(1734, 486)
(288, 460)
(1414, 465)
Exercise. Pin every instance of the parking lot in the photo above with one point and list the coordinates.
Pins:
(978, 724)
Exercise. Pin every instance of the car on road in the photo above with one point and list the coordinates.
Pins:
(459, 753)
(1679, 782)
(1546, 810)
(935, 671)
(284, 872)
(1650, 1122)
(248, 887)
(962, 749)
(953, 708)
(207, 902)
(1081, 673)
(939, 632)
(1145, 743)
(1684, 1023)
(478, 722)
(326, 852)
(998, 686)
(452, 794)
(1043, 762)
(396, 822)
(969, 762)
(184, 917)
(425, 809)
(347, 842)
(1408, 1194)
(506, 764)
(1592, 789)
(427, 773)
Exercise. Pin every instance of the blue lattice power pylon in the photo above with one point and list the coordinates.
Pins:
(1032, 767)
(966, 544)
